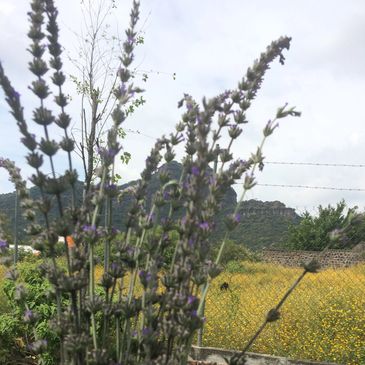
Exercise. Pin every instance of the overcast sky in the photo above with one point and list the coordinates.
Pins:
(209, 44)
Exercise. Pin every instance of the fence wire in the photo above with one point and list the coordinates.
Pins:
(322, 320)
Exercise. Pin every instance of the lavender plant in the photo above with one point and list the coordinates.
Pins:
(141, 311)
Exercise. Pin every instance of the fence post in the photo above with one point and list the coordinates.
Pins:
(15, 233)
(201, 330)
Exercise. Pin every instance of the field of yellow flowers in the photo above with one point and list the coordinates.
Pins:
(323, 319)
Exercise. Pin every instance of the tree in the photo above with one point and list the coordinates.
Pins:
(5, 228)
(333, 228)
(98, 63)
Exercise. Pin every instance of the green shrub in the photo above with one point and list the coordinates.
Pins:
(240, 267)
(15, 333)
(234, 252)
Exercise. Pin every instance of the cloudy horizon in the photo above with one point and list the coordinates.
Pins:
(208, 45)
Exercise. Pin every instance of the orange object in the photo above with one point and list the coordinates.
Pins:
(70, 242)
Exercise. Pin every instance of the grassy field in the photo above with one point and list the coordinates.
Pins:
(324, 318)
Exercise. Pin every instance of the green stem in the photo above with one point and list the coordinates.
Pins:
(117, 338)
(278, 306)
(91, 258)
(221, 249)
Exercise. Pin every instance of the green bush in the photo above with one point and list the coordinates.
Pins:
(15, 333)
(240, 267)
(99, 249)
(334, 227)
(234, 252)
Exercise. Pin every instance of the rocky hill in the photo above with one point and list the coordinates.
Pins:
(262, 223)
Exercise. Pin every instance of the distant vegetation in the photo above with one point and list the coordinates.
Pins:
(263, 224)
(333, 227)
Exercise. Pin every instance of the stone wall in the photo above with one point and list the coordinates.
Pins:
(330, 258)
(269, 212)
(211, 355)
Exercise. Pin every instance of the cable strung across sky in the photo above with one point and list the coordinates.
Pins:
(137, 132)
(309, 187)
(313, 164)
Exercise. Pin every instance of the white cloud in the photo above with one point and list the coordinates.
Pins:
(6, 8)
(209, 44)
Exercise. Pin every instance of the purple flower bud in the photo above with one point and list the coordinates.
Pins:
(191, 299)
(16, 95)
(3, 246)
(29, 316)
(112, 152)
(111, 190)
(115, 231)
(146, 331)
(89, 229)
(191, 242)
(107, 154)
(38, 346)
(110, 186)
(237, 217)
(212, 180)
(116, 270)
(195, 170)
(123, 89)
(20, 293)
(130, 251)
(114, 266)
(144, 277)
(204, 226)
(12, 275)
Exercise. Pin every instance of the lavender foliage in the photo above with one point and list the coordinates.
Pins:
(142, 311)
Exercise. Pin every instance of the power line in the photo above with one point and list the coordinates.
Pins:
(276, 162)
(313, 164)
(308, 187)
(139, 133)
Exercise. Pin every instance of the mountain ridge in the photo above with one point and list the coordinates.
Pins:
(263, 223)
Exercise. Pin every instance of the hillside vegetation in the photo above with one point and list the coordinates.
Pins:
(262, 224)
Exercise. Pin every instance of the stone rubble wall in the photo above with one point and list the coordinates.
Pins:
(328, 259)
(210, 355)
